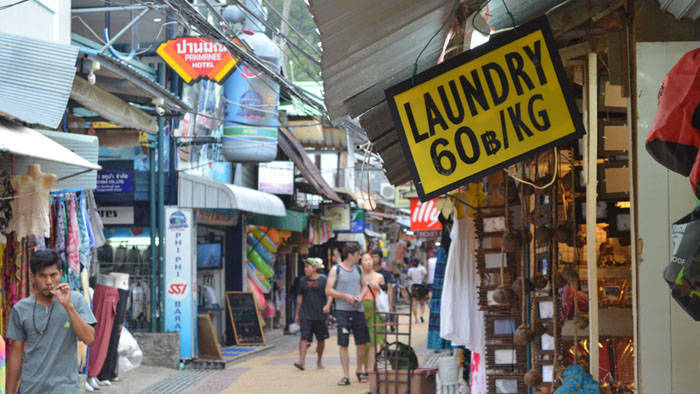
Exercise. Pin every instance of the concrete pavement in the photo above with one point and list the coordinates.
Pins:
(274, 372)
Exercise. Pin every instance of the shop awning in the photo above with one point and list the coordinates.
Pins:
(373, 234)
(20, 140)
(292, 221)
(293, 149)
(36, 79)
(199, 192)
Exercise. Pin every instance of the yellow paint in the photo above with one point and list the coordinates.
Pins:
(540, 102)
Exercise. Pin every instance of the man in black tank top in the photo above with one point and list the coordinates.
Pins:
(346, 286)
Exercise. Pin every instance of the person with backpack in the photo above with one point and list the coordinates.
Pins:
(346, 285)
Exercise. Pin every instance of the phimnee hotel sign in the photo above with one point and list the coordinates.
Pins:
(484, 109)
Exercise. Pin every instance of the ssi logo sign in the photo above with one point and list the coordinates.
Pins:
(484, 109)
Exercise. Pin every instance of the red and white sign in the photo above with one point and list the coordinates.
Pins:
(194, 58)
(424, 215)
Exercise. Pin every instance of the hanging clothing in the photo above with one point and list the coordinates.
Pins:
(477, 375)
(73, 236)
(104, 303)
(6, 191)
(30, 209)
(110, 367)
(60, 230)
(461, 321)
(95, 220)
(86, 220)
(434, 340)
(84, 245)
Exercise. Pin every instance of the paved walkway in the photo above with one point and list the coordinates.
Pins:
(274, 373)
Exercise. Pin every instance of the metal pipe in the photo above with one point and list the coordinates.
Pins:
(122, 31)
(94, 10)
(154, 251)
(161, 222)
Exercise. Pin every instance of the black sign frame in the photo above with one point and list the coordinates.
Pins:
(233, 320)
(495, 42)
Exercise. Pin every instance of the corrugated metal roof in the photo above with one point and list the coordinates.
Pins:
(85, 146)
(36, 78)
(682, 8)
(370, 45)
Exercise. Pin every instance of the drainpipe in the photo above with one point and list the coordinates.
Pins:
(154, 251)
(161, 222)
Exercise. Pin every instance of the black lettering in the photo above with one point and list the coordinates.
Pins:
(434, 116)
(459, 144)
(455, 119)
(536, 58)
(437, 157)
(515, 67)
(474, 91)
(503, 129)
(417, 137)
(491, 143)
(516, 119)
(486, 69)
(543, 116)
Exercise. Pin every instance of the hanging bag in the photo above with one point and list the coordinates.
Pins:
(683, 272)
(382, 302)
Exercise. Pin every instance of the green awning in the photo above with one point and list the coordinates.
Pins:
(293, 221)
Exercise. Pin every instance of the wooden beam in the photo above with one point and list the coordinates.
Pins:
(653, 24)
(572, 13)
(576, 50)
(591, 205)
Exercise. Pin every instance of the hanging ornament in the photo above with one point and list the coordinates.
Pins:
(540, 281)
(533, 378)
(518, 284)
(523, 335)
(503, 295)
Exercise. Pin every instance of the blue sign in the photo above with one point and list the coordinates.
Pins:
(115, 181)
(357, 221)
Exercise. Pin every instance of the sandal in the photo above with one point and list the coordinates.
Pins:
(344, 382)
(362, 377)
(299, 366)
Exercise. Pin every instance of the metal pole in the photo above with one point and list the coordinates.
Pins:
(154, 251)
(124, 30)
(161, 221)
(591, 199)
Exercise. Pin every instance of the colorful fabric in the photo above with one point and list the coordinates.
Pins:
(59, 230)
(377, 334)
(84, 244)
(2, 366)
(73, 236)
(578, 381)
(434, 340)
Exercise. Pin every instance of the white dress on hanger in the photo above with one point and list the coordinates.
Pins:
(461, 321)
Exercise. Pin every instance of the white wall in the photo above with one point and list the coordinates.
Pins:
(47, 20)
(668, 347)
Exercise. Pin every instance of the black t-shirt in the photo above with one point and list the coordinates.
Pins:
(313, 293)
(388, 278)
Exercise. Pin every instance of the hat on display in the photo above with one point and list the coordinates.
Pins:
(314, 262)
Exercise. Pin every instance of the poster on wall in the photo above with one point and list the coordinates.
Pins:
(180, 279)
(276, 177)
(424, 215)
(484, 109)
(338, 216)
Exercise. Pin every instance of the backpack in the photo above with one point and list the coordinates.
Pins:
(399, 355)
(683, 272)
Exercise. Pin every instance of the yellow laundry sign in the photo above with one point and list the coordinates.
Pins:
(484, 109)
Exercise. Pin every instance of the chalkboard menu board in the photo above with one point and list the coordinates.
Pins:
(245, 318)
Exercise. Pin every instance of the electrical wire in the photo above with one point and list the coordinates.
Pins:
(415, 64)
(294, 29)
(511, 172)
(4, 7)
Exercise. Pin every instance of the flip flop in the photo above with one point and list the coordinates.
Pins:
(361, 377)
(299, 366)
(344, 382)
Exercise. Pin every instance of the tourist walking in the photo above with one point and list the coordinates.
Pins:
(312, 311)
(416, 277)
(375, 322)
(346, 286)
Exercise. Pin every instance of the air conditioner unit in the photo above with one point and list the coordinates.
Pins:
(387, 191)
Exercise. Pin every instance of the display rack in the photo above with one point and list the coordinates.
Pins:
(390, 380)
